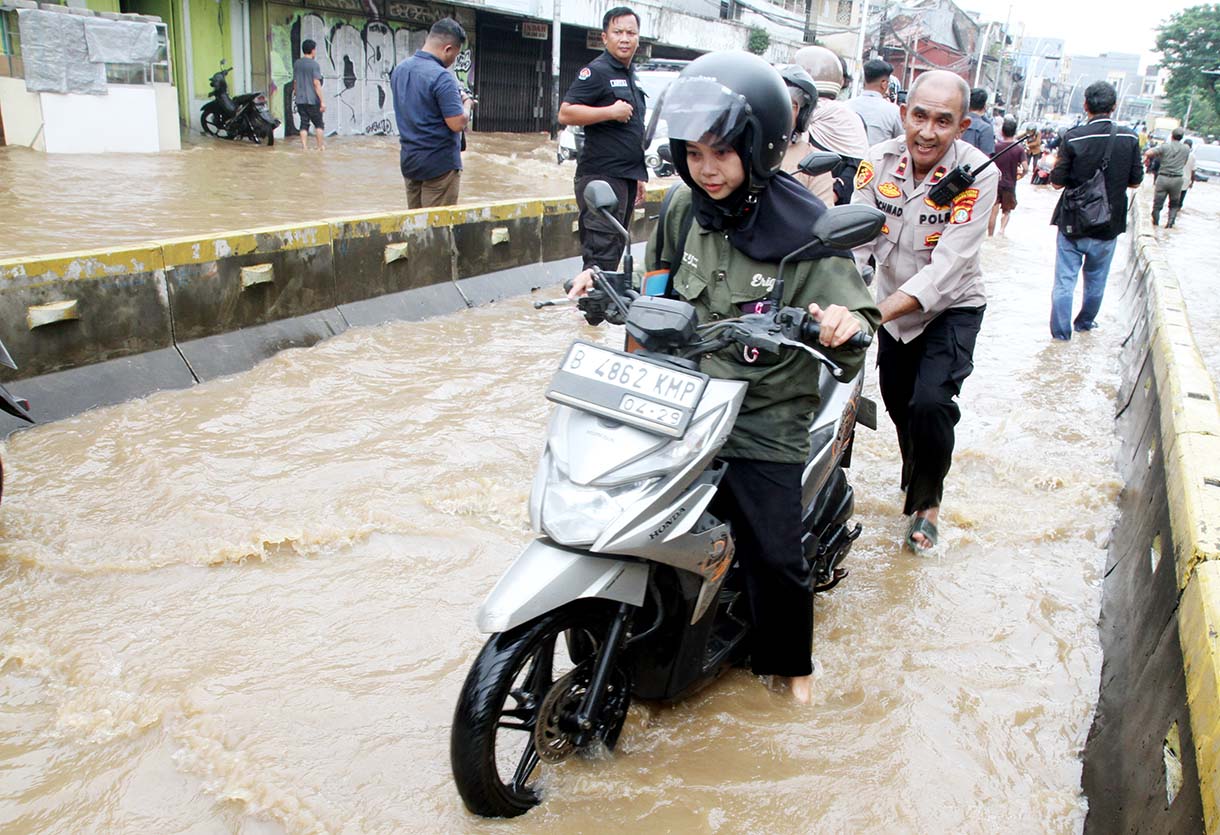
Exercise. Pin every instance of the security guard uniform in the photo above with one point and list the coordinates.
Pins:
(930, 252)
(613, 151)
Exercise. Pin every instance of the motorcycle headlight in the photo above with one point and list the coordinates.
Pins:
(652, 160)
(575, 515)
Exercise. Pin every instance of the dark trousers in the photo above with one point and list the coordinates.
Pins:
(762, 501)
(600, 242)
(918, 381)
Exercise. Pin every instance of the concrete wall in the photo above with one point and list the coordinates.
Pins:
(96, 328)
(1151, 759)
(22, 114)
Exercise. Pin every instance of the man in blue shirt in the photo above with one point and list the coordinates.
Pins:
(431, 112)
(981, 131)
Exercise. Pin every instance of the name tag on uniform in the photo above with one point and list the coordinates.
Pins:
(618, 82)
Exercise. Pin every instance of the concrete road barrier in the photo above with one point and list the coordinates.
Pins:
(1152, 758)
(82, 308)
(237, 298)
(378, 255)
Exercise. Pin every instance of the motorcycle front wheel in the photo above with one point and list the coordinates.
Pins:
(492, 746)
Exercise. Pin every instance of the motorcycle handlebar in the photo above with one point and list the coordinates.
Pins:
(811, 332)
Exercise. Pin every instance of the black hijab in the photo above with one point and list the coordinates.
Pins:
(766, 225)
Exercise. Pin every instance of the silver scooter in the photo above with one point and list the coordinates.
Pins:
(629, 588)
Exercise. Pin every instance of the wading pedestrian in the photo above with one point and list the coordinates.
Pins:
(307, 94)
(1011, 162)
(1081, 152)
(1188, 173)
(929, 284)
(431, 111)
(607, 102)
(1172, 157)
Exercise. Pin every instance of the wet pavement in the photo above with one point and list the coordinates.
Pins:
(52, 203)
(1190, 248)
(244, 608)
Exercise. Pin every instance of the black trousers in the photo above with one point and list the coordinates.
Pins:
(600, 243)
(918, 381)
(762, 501)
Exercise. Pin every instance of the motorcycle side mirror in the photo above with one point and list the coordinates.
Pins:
(819, 162)
(601, 196)
(845, 227)
(665, 153)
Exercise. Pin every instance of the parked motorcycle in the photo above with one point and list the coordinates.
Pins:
(15, 406)
(630, 589)
(241, 117)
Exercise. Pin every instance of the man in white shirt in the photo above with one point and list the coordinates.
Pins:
(880, 115)
(833, 126)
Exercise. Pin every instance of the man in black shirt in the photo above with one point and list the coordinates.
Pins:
(1081, 151)
(608, 103)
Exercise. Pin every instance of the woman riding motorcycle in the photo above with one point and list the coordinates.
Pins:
(730, 120)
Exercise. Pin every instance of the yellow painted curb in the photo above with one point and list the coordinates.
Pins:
(76, 266)
(1198, 631)
(1190, 433)
(183, 251)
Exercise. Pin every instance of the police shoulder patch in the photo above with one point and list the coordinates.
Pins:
(864, 175)
(584, 73)
(889, 189)
(970, 194)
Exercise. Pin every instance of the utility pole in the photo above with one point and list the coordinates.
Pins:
(811, 20)
(556, 36)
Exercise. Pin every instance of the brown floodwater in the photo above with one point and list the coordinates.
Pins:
(249, 606)
(67, 202)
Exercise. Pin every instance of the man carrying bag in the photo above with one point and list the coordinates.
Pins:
(1098, 162)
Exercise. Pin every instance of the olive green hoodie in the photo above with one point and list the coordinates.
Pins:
(783, 391)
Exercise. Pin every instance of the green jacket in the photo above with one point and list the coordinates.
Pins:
(783, 394)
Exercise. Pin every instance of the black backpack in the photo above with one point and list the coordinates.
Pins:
(1086, 207)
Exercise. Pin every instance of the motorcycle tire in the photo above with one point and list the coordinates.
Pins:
(269, 132)
(500, 703)
(213, 124)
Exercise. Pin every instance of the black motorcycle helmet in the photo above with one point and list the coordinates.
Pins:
(802, 88)
(733, 97)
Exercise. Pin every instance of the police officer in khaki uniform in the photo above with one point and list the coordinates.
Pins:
(928, 285)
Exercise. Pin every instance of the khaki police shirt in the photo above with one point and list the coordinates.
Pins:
(927, 251)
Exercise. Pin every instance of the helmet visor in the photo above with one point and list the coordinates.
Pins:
(699, 107)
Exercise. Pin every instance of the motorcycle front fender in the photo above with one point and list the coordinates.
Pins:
(546, 576)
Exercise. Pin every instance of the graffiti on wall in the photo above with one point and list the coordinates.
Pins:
(357, 56)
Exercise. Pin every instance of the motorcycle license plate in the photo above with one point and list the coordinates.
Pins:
(628, 388)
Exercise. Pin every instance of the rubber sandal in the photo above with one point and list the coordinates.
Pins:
(921, 525)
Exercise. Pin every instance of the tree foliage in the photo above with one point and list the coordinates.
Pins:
(1190, 43)
(759, 40)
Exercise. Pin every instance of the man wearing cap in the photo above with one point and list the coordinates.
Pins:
(928, 284)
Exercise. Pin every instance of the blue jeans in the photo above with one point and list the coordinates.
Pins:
(1069, 253)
